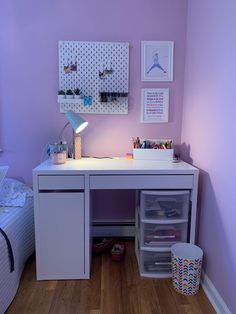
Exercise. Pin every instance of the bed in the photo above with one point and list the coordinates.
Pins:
(16, 236)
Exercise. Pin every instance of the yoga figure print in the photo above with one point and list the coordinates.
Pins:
(156, 64)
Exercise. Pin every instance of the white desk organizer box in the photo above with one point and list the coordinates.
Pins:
(154, 154)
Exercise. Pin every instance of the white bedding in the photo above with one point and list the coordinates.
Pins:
(13, 193)
(18, 224)
(3, 171)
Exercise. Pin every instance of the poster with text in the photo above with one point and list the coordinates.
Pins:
(155, 105)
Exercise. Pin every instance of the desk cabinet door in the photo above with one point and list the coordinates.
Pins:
(60, 236)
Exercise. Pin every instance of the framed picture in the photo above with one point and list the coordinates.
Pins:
(157, 60)
(154, 105)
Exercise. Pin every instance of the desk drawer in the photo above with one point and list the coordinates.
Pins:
(61, 182)
(141, 182)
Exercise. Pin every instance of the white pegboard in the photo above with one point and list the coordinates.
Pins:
(92, 59)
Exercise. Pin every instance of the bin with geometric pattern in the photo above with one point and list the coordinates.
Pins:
(186, 264)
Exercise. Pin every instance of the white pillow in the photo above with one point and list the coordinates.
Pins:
(3, 171)
(14, 193)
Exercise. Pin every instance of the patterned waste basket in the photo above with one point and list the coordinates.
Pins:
(186, 260)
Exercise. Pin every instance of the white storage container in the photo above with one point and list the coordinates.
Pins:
(165, 205)
(163, 235)
(153, 154)
(156, 264)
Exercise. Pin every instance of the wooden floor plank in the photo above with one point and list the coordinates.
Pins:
(129, 279)
(114, 288)
(111, 294)
(163, 294)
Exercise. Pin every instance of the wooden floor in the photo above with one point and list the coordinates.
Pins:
(114, 288)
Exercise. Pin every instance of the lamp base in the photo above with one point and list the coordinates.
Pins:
(77, 146)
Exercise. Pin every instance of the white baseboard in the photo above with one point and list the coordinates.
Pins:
(124, 228)
(213, 295)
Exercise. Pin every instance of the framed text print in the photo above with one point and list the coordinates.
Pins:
(157, 60)
(155, 105)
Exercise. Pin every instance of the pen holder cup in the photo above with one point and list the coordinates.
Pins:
(58, 158)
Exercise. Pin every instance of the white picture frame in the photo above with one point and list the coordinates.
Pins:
(157, 60)
(154, 105)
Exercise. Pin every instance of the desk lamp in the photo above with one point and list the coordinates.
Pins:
(78, 124)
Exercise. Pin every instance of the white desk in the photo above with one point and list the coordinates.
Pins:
(63, 208)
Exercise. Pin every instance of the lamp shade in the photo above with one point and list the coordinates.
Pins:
(77, 122)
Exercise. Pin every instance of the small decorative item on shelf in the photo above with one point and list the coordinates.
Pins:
(69, 94)
(123, 96)
(58, 153)
(61, 94)
(113, 97)
(88, 100)
(77, 93)
(103, 96)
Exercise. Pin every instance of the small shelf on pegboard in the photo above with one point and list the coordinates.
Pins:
(98, 108)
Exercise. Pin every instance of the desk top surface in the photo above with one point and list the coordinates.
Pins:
(115, 166)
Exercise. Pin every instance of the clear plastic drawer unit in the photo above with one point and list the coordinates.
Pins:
(162, 218)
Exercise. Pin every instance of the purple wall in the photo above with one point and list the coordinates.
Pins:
(30, 118)
(209, 129)
(29, 34)
(29, 113)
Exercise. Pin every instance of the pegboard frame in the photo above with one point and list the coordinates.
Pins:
(99, 55)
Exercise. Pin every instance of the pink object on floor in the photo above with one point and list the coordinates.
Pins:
(117, 252)
(104, 245)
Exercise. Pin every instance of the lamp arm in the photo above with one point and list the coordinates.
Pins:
(63, 129)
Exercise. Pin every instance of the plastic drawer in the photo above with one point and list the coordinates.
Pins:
(155, 263)
(159, 235)
(162, 205)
